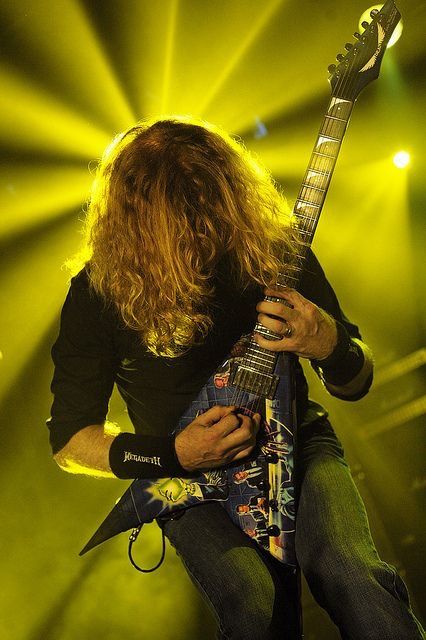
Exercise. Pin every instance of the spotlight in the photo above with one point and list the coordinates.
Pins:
(366, 17)
(401, 159)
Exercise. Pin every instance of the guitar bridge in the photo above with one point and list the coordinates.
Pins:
(248, 379)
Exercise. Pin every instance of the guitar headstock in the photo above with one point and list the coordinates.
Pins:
(361, 65)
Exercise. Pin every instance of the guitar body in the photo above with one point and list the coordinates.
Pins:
(241, 489)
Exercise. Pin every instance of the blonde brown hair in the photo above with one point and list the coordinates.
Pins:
(171, 197)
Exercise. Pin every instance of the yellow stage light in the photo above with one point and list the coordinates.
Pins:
(401, 159)
(366, 18)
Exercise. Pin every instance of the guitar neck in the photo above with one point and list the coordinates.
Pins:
(316, 181)
(256, 372)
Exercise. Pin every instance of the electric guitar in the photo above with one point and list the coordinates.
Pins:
(260, 494)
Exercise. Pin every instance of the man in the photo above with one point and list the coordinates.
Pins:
(184, 231)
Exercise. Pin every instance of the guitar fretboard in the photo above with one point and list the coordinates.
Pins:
(258, 362)
(317, 178)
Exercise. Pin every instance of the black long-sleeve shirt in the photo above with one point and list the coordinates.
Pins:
(94, 350)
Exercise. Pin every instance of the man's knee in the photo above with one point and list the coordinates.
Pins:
(251, 604)
(352, 578)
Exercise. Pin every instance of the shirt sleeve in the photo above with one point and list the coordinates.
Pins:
(84, 364)
(347, 372)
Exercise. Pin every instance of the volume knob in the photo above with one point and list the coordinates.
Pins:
(272, 457)
(273, 505)
(273, 531)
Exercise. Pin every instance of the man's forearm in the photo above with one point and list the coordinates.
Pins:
(88, 452)
(103, 451)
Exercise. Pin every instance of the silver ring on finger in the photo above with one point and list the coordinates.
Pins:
(288, 331)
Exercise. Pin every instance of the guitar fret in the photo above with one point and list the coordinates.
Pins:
(313, 197)
(336, 118)
(259, 360)
(318, 172)
(331, 138)
(334, 128)
(259, 367)
(339, 108)
(309, 203)
(306, 217)
(254, 347)
(265, 352)
(324, 155)
(311, 186)
(256, 352)
(266, 363)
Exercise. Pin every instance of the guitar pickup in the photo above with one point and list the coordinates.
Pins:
(248, 379)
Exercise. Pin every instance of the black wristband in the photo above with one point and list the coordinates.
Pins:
(133, 455)
(344, 362)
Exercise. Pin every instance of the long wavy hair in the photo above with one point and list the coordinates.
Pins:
(171, 198)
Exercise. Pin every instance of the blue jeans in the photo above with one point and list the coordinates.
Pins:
(253, 595)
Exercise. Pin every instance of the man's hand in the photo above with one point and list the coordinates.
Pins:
(307, 330)
(217, 437)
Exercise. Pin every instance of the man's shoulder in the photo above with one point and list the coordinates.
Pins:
(83, 296)
(80, 281)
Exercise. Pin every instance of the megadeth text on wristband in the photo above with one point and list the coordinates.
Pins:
(138, 456)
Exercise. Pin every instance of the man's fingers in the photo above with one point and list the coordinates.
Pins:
(228, 425)
(277, 309)
(243, 453)
(277, 326)
(200, 447)
(244, 435)
(234, 420)
(274, 345)
(285, 293)
(258, 420)
(215, 414)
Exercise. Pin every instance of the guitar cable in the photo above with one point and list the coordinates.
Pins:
(132, 539)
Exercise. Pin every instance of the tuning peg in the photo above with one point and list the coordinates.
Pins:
(357, 35)
(340, 57)
(348, 46)
(365, 24)
(374, 12)
(332, 68)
